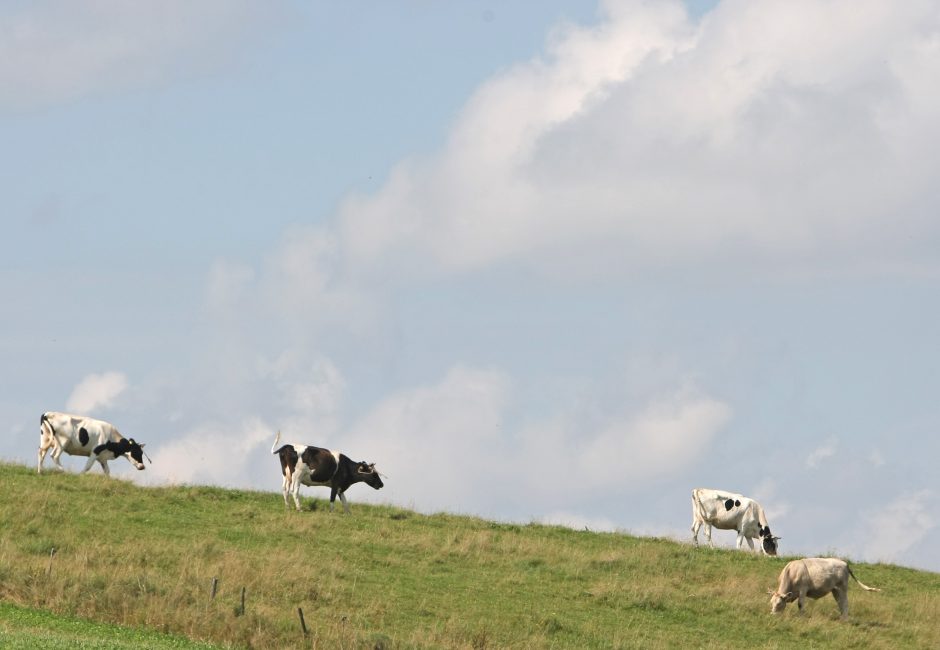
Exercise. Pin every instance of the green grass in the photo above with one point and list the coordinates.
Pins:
(384, 577)
(31, 629)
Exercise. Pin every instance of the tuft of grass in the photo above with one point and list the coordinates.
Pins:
(141, 561)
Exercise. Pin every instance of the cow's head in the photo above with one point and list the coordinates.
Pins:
(135, 453)
(768, 541)
(779, 601)
(367, 473)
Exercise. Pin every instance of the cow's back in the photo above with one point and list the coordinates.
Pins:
(79, 434)
(719, 508)
(320, 463)
(825, 574)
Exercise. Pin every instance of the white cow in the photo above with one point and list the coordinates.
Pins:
(814, 577)
(730, 511)
(83, 436)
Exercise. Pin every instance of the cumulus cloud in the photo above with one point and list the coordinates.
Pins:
(650, 141)
(898, 526)
(211, 454)
(96, 392)
(311, 394)
(459, 429)
(54, 51)
(667, 435)
(448, 436)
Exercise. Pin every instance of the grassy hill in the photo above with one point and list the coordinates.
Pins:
(136, 565)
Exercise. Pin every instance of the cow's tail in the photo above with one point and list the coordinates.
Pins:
(698, 510)
(860, 583)
(274, 447)
(45, 423)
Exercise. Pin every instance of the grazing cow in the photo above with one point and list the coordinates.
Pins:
(82, 436)
(814, 577)
(303, 464)
(730, 511)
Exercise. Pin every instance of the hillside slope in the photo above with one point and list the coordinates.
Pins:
(387, 577)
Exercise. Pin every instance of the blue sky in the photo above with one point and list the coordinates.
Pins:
(557, 261)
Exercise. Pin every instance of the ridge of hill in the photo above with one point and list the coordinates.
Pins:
(387, 577)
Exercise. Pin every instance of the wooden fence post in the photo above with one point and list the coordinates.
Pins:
(303, 625)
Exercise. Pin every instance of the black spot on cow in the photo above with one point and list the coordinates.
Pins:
(736, 503)
(768, 541)
(116, 448)
(729, 504)
(83, 436)
(122, 447)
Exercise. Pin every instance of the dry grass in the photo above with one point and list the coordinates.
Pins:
(389, 578)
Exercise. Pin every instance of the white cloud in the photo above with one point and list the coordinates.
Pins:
(96, 392)
(818, 455)
(668, 435)
(650, 141)
(898, 526)
(211, 454)
(311, 394)
(443, 446)
(457, 430)
(54, 51)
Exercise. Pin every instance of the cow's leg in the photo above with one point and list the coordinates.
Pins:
(285, 487)
(333, 498)
(750, 543)
(342, 497)
(696, 525)
(91, 461)
(801, 600)
(45, 444)
(842, 598)
(104, 466)
(56, 452)
(708, 535)
(43, 448)
(295, 489)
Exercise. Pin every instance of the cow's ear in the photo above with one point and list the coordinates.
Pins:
(142, 445)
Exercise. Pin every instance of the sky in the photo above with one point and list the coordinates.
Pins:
(557, 261)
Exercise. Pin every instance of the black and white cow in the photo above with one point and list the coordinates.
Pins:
(83, 436)
(308, 465)
(729, 511)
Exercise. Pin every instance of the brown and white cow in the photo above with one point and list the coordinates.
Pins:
(814, 577)
(730, 511)
(308, 465)
(83, 436)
